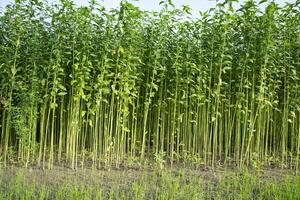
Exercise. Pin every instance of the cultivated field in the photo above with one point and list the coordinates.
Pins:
(132, 104)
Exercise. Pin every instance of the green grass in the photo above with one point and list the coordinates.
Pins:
(165, 184)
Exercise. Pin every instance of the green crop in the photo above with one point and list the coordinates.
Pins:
(89, 87)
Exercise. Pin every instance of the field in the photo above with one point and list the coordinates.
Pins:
(59, 183)
(132, 104)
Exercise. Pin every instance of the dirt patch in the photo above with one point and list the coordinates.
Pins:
(108, 177)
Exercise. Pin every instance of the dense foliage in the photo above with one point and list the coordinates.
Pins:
(85, 85)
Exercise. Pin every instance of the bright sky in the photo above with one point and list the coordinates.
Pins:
(196, 5)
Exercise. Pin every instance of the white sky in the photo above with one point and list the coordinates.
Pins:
(196, 5)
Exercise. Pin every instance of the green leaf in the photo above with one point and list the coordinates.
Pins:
(62, 93)
(13, 71)
(262, 1)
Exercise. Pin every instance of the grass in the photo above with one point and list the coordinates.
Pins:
(17, 183)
